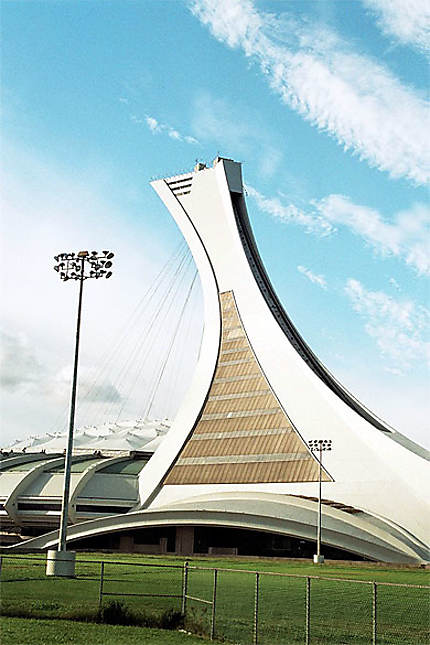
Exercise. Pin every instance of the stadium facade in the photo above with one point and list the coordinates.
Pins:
(236, 468)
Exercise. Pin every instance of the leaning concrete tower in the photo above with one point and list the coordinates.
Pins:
(237, 455)
(260, 394)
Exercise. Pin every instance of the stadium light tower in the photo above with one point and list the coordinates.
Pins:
(319, 445)
(70, 266)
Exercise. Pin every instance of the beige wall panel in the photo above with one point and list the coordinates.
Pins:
(237, 355)
(263, 444)
(235, 333)
(245, 473)
(237, 370)
(277, 420)
(230, 325)
(237, 387)
(255, 402)
(235, 343)
(254, 396)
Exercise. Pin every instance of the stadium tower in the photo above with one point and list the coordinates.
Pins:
(237, 455)
(260, 394)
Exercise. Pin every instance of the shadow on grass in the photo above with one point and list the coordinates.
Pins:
(113, 613)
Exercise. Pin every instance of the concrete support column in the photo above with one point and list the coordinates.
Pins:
(184, 544)
(126, 544)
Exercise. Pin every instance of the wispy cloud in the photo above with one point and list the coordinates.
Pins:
(393, 370)
(407, 20)
(313, 277)
(346, 94)
(406, 237)
(18, 365)
(311, 220)
(91, 388)
(162, 128)
(399, 327)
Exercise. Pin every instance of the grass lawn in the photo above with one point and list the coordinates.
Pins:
(341, 611)
(29, 631)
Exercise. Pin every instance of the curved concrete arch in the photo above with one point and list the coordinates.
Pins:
(24, 458)
(79, 485)
(278, 514)
(11, 505)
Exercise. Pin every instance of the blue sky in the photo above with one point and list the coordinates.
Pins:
(324, 102)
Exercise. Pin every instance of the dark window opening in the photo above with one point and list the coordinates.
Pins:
(30, 506)
(98, 508)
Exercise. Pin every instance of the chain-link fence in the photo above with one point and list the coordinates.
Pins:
(240, 606)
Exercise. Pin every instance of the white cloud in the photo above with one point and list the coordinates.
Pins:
(311, 221)
(18, 364)
(393, 370)
(91, 388)
(406, 237)
(394, 283)
(161, 128)
(313, 277)
(151, 123)
(398, 327)
(407, 20)
(348, 95)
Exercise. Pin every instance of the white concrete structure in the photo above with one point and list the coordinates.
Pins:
(237, 453)
(106, 463)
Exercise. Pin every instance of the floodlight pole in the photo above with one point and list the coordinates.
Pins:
(62, 546)
(73, 266)
(319, 445)
(319, 505)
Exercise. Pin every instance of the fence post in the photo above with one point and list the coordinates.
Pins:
(102, 575)
(308, 612)
(374, 613)
(184, 588)
(256, 606)
(214, 604)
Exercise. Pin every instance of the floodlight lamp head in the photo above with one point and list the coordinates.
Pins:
(83, 254)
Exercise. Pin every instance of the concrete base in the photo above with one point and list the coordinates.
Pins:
(61, 563)
(318, 559)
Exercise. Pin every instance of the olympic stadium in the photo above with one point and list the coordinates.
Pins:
(235, 472)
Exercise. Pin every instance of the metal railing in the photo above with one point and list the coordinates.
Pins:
(246, 607)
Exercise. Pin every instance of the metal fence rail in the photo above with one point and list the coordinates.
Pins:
(243, 606)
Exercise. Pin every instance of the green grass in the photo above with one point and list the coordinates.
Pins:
(341, 610)
(24, 631)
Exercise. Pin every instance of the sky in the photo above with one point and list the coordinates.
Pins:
(325, 103)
